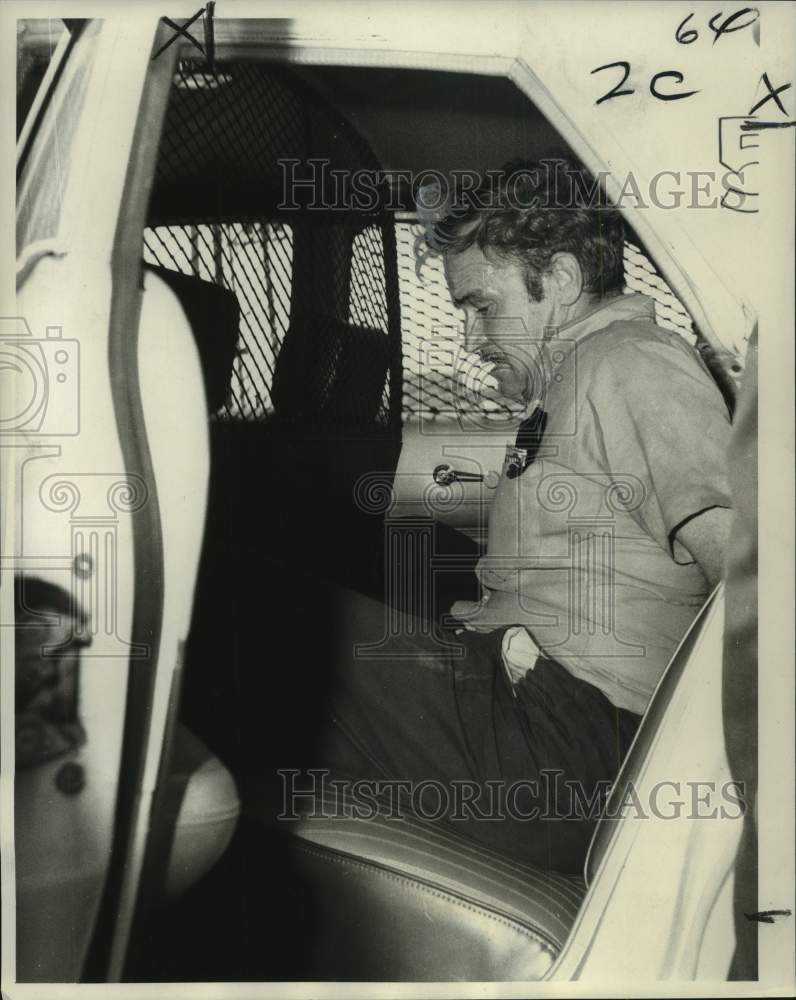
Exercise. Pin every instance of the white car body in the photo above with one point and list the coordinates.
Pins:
(680, 927)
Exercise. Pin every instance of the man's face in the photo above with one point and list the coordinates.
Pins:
(503, 323)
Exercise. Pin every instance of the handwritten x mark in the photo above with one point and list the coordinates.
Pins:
(182, 30)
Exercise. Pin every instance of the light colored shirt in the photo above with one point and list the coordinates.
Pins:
(582, 549)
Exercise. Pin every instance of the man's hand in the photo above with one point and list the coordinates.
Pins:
(705, 536)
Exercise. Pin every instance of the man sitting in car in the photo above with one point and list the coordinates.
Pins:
(606, 534)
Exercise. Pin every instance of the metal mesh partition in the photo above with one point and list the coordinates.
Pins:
(367, 301)
(433, 328)
(218, 212)
(222, 211)
(642, 276)
(432, 332)
(253, 260)
(227, 130)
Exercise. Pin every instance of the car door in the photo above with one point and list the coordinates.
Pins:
(107, 530)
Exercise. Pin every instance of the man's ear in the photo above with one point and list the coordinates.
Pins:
(565, 274)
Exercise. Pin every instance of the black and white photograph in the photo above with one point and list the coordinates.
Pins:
(397, 517)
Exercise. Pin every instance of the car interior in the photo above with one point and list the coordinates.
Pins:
(312, 326)
(309, 323)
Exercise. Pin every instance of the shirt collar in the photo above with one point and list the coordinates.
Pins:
(619, 307)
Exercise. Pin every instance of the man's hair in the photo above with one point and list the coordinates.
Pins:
(529, 211)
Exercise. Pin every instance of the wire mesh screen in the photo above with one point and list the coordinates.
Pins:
(367, 301)
(253, 260)
(322, 283)
(433, 328)
(228, 128)
(642, 276)
(222, 211)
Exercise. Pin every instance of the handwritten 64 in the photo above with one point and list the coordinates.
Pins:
(660, 85)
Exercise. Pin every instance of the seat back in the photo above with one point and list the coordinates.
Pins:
(214, 315)
(186, 326)
(648, 734)
(661, 860)
(330, 374)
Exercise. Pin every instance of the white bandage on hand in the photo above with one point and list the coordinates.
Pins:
(519, 652)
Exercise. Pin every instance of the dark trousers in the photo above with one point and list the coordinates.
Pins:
(522, 770)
